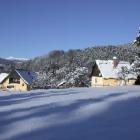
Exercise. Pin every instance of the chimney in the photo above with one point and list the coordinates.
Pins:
(115, 62)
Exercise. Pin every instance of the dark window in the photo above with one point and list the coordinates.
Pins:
(14, 80)
(11, 86)
(95, 80)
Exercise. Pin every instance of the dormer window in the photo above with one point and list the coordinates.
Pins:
(14, 80)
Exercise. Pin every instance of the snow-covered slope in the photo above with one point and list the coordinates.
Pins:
(110, 113)
(18, 59)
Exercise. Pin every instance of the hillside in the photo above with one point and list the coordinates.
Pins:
(71, 114)
(10, 63)
(74, 66)
(6, 65)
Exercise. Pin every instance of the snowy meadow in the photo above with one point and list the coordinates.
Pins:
(107, 113)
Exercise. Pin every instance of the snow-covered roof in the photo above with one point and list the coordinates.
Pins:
(26, 76)
(3, 76)
(107, 69)
(61, 83)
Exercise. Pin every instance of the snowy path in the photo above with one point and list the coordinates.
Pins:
(111, 113)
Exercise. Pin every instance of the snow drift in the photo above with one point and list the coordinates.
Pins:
(71, 114)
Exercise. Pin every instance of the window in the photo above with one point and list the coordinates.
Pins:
(10, 86)
(14, 80)
(95, 80)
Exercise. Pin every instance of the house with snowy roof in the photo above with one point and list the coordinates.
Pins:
(18, 80)
(112, 73)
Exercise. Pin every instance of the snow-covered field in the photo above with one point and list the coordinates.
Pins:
(109, 113)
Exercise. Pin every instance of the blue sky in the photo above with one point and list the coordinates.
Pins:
(30, 28)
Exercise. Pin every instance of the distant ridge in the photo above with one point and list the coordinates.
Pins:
(18, 59)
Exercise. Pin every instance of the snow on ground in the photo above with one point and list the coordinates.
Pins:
(108, 113)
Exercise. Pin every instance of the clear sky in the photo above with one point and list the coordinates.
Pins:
(30, 28)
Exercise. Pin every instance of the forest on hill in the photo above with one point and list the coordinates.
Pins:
(74, 66)
(71, 67)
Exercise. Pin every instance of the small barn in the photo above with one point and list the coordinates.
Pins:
(107, 73)
(18, 80)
